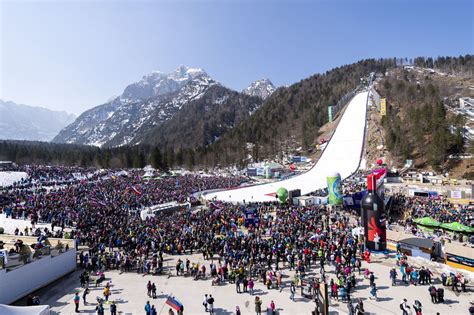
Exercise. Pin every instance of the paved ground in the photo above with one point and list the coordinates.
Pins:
(129, 292)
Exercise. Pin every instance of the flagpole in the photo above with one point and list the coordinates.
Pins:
(164, 303)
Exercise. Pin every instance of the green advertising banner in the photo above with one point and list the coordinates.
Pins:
(330, 113)
(334, 189)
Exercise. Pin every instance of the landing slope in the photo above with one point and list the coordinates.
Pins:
(342, 155)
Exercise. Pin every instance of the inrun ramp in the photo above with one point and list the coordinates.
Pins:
(342, 154)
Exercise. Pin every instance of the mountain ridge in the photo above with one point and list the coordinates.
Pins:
(26, 122)
(109, 122)
(152, 101)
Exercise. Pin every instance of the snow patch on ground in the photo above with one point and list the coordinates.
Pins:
(11, 224)
(8, 178)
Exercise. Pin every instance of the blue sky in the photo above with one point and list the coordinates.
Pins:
(72, 56)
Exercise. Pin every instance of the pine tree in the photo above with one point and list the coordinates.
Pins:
(156, 158)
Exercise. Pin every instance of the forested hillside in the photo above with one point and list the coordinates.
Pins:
(417, 125)
(462, 65)
(291, 116)
(202, 121)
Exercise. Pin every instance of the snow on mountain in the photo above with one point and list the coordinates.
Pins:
(261, 88)
(22, 122)
(151, 101)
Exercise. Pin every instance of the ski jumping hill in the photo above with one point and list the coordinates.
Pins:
(342, 154)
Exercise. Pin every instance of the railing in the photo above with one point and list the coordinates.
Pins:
(20, 255)
(342, 102)
(17, 260)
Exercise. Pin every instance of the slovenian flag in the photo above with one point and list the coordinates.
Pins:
(174, 303)
(138, 193)
(314, 238)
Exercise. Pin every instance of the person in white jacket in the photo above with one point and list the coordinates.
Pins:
(204, 302)
(405, 307)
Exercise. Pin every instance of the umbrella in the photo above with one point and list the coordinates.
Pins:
(457, 227)
(427, 221)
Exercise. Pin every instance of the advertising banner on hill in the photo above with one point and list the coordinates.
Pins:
(383, 107)
(330, 113)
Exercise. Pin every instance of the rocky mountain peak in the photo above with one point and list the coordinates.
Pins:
(159, 83)
(262, 88)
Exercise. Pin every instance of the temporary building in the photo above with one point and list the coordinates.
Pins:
(410, 244)
(459, 256)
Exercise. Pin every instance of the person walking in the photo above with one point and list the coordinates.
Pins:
(371, 278)
(84, 295)
(417, 307)
(271, 308)
(404, 307)
(292, 291)
(237, 285)
(258, 306)
(181, 310)
(148, 288)
(204, 302)
(153, 290)
(350, 307)
(210, 302)
(100, 309)
(358, 264)
(113, 309)
(373, 292)
(246, 284)
(440, 295)
(76, 302)
(106, 293)
(147, 308)
(359, 309)
(393, 276)
(237, 311)
(433, 294)
(251, 285)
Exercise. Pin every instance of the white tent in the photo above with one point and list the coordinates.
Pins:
(24, 310)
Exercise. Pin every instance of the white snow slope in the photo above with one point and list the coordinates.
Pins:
(342, 155)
